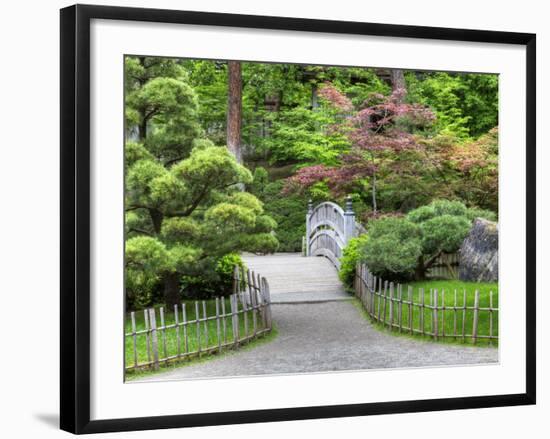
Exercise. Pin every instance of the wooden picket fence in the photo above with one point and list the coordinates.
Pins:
(387, 304)
(246, 317)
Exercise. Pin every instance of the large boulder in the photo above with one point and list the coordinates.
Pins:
(479, 253)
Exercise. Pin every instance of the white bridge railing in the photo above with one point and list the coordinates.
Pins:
(328, 230)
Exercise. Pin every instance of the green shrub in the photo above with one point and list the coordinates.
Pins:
(350, 257)
(444, 233)
(225, 268)
(213, 279)
(393, 248)
(145, 258)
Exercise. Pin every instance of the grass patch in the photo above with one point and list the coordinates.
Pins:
(449, 321)
(205, 333)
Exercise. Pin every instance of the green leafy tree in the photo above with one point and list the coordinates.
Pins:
(162, 105)
(195, 210)
(466, 105)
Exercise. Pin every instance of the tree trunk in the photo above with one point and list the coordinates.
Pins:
(156, 218)
(374, 205)
(171, 290)
(420, 271)
(398, 81)
(234, 109)
(142, 127)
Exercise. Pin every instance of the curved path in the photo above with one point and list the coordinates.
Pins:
(328, 336)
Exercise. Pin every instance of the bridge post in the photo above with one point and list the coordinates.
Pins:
(349, 220)
(308, 225)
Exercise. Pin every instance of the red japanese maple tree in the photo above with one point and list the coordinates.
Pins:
(381, 125)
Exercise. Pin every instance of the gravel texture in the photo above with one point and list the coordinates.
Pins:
(329, 336)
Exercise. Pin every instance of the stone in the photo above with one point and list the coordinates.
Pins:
(478, 261)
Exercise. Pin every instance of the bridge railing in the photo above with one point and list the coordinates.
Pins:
(328, 230)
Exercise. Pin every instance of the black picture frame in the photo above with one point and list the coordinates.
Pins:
(75, 217)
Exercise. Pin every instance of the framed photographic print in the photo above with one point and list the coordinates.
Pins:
(252, 206)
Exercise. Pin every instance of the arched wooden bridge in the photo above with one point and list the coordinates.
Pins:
(313, 275)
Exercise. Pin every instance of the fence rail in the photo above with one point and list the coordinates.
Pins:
(429, 314)
(224, 323)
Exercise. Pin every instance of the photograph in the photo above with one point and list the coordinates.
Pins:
(287, 219)
(275, 220)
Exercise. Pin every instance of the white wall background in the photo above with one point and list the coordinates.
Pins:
(29, 200)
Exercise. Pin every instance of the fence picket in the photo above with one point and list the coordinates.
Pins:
(245, 315)
(234, 318)
(464, 316)
(176, 321)
(443, 313)
(268, 302)
(490, 317)
(379, 298)
(252, 289)
(422, 307)
(147, 340)
(454, 316)
(391, 305)
(400, 310)
(255, 289)
(185, 335)
(476, 317)
(410, 297)
(154, 338)
(435, 321)
(372, 294)
(385, 300)
(198, 327)
(218, 334)
(133, 317)
(206, 332)
(224, 323)
(163, 327)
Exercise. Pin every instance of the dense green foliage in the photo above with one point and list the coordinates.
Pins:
(407, 246)
(465, 105)
(308, 132)
(350, 258)
(185, 211)
(288, 210)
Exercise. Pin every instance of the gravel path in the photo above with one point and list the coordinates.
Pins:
(331, 336)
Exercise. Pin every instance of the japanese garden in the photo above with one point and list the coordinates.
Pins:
(286, 218)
